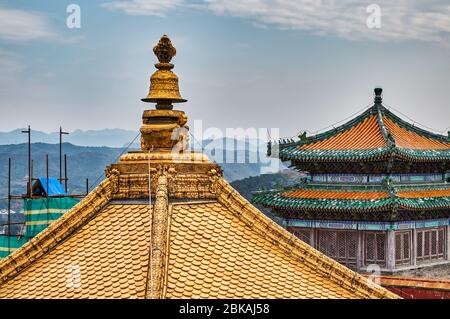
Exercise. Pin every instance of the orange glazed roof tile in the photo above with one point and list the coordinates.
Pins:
(428, 193)
(375, 135)
(408, 139)
(329, 194)
(365, 135)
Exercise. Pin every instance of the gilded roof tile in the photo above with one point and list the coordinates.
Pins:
(105, 269)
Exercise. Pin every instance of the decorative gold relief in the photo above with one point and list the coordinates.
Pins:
(159, 225)
(113, 176)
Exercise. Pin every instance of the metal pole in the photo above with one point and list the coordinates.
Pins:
(87, 186)
(46, 164)
(9, 205)
(65, 173)
(60, 153)
(32, 172)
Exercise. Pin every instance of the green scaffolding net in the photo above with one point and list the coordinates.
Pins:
(39, 214)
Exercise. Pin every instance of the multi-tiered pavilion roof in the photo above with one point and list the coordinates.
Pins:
(379, 148)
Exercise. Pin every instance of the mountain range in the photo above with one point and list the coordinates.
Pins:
(105, 137)
(115, 138)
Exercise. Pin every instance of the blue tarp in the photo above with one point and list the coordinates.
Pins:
(54, 186)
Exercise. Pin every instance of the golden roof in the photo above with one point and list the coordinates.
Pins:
(206, 248)
(197, 239)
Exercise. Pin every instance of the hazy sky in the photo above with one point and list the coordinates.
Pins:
(295, 65)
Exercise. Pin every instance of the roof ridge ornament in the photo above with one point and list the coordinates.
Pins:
(378, 91)
(164, 50)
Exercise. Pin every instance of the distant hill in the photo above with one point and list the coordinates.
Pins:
(247, 186)
(83, 162)
(263, 182)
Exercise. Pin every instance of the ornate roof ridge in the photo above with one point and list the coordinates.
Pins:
(390, 141)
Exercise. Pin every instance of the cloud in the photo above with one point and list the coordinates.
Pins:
(19, 25)
(400, 20)
(143, 7)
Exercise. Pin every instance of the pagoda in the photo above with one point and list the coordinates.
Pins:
(377, 192)
(165, 224)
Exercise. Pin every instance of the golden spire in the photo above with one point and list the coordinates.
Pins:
(164, 129)
(164, 88)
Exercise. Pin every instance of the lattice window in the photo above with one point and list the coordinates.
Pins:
(303, 233)
(341, 245)
(419, 254)
(375, 248)
(402, 248)
(431, 244)
(441, 242)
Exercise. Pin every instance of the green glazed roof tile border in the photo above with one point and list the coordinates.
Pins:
(275, 199)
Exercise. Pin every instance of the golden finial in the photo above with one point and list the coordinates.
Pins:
(164, 88)
(164, 50)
